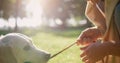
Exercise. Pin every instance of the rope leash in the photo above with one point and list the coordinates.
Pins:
(62, 50)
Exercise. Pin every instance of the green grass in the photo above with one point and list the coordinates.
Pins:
(56, 40)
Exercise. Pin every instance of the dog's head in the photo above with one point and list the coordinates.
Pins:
(23, 50)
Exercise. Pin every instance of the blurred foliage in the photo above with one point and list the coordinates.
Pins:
(14, 8)
(52, 9)
(63, 9)
(69, 32)
(3, 32)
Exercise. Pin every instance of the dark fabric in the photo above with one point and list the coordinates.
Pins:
(117, 16)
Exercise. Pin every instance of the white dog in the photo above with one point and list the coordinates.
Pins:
(18, 48)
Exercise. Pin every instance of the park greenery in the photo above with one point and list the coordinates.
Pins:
(55, 40)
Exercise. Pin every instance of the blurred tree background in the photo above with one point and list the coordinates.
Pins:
(62, 13)
(64, 10)
(12, 8)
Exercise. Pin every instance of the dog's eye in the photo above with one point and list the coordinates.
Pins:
(27, 47)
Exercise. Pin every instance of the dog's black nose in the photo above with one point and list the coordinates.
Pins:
(48, 56)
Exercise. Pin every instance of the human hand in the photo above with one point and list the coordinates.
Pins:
(88, 36)
(94, 52)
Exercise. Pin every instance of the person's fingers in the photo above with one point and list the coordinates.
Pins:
(82, 41)
(86, 51)
(84, 59)
(83, 54)
(87, 61)
(79, 42)
(83, 48)
(86, 41)
(86, 37)
(90, 61)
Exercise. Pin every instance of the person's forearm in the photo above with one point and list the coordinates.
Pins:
(95, 16)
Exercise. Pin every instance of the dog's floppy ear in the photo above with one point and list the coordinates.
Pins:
(6, 55)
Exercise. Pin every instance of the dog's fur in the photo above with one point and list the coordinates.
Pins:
(18, 48)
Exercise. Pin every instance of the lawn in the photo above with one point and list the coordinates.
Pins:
(54, 41)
